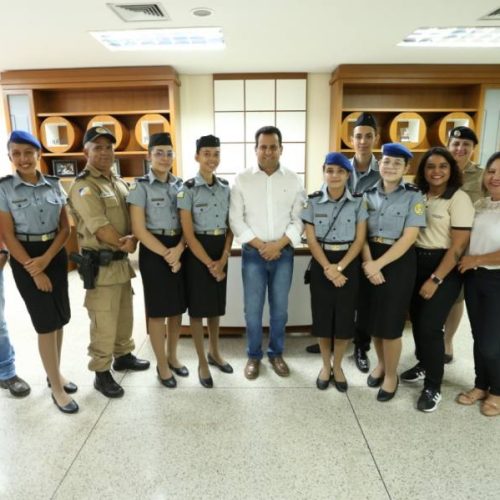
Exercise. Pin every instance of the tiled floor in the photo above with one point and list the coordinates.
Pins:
(269, 438)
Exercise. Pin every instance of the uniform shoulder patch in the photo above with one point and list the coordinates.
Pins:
(315, 194)
(189, 183)
(411, 187)
(83, 174)
(223, 181)
(6, 178)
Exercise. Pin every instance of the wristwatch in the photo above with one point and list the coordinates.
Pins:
(339, 268)
(436, 279)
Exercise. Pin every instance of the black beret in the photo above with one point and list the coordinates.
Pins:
(207, 141)
(464, 133)
(367, 120)
(160, 139)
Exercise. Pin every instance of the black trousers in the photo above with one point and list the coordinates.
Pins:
(482, 297)
(429, 316)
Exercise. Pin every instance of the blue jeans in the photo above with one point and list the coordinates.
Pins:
(7, 368)
(275, 276)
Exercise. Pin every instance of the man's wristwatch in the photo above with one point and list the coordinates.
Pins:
(436, 279)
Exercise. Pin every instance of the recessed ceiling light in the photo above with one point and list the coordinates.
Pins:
(459, 36)
(162, 39)
(202, 11)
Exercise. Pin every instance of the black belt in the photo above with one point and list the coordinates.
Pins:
(36, 237)
(107, 254)
(430, 251)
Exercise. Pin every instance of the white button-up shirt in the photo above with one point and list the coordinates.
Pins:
(267, 206)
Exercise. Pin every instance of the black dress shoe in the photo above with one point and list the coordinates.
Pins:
(171, 383)
(384, 396)
(16, 386)
(130, 362)
(340, 386)
(182, 371)
(71, 407)
(225, 368)
(374, 381)
(322, 384)
(105, 383)
(361, 359)
(313, 349)
(69, 388)
(208, 382)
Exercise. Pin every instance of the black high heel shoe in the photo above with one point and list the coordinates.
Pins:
(182, 371)
(340, 386)
(374, 381)
(208, 382)
(171, 383)
(384, 396)
(71, 407)
(69, 388)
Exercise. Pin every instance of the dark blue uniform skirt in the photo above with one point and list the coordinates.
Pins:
(206, 297)
(333, 309)
(49, 311)
(389, 302)
(164, 292)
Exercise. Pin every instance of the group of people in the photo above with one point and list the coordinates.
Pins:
(380, 248)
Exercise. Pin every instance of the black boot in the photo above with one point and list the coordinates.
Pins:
(105, 383)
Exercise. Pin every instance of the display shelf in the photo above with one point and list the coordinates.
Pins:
(118, 112)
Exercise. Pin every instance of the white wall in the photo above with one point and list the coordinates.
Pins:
(4, 160)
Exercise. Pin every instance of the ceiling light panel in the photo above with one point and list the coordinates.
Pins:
(461, 36)
(162, 39)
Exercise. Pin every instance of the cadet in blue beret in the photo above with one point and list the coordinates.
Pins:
(204, 206)
(35, 227)
(155, 223)
(396, 212)
(462, 143)
(335, 225)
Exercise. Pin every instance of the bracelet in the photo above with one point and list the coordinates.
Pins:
(4, 251)
(436, 279)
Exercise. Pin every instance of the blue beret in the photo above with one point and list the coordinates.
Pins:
(22, 137)
(339, 160)
(397, 150)
(463, 133)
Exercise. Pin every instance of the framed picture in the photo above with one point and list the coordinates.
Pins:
(146, 166)
(64, 168)
(115, 168)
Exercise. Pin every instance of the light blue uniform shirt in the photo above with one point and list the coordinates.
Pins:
(209, 205)
(320, 210)
(389, 214)
(35, 208)
(159, 200)
(359, 182)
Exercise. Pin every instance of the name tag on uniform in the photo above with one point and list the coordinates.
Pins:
(321, 215)
(107, 194)
(201, 205)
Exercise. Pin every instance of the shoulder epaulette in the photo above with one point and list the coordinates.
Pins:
(83, 174)
(189, 184)
(315, 194)
(357, 195)
(223, 181)
(144, 178)
(411, 187)
(6, 178)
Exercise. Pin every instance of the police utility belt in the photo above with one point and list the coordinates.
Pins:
(36, 237)
(89, 261)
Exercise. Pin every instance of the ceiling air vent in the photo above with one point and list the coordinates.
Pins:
(139, 12)
(492, 16)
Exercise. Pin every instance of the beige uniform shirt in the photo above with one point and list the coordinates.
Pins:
(97, 201)
(472, 181)
(443, 214)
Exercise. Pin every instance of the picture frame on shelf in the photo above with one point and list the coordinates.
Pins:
(64, 168)
(115, 168)
(146, 165)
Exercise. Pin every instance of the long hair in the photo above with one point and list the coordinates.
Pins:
(491, 159)
(454, 182)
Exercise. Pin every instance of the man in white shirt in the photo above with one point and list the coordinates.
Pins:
(266, 203)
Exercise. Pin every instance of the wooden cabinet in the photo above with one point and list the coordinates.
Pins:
(67, 101)
(416, 103)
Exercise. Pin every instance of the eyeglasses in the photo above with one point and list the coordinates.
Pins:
(163, 154)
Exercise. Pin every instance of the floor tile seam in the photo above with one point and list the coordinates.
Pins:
(77, 454)
(369, 447)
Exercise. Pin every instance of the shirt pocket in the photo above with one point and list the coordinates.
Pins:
(20, 210)
(345, 226)
(321, 224)
(395, 217)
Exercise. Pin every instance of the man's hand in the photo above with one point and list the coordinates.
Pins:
(270, 250)
(128, 243)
